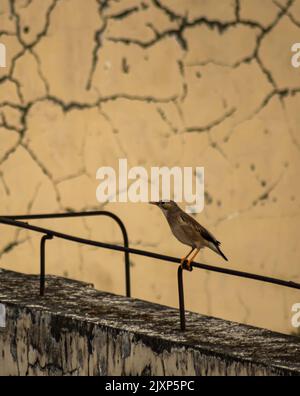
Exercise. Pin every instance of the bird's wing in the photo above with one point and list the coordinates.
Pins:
(187, 221)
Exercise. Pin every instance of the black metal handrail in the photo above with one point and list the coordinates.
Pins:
(49, 234)
(80, 214)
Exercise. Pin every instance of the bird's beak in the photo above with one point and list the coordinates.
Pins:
(153, 203)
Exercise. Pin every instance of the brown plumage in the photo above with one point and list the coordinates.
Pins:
(188, 231)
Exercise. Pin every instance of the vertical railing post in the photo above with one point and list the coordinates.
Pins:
(127, 274)
(181, 298)
(42, 262)
(127, 261)
(126, 245)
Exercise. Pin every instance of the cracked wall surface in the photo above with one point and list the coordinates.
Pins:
(159, 82)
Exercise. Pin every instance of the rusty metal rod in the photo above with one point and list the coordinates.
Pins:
(157, 256)
(10, 221)
(42, 263)
(87, 214)
(181, 298)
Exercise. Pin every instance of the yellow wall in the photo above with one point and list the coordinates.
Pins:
(162, 82)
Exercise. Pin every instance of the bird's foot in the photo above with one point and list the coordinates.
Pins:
(189, 265)
(186, 265)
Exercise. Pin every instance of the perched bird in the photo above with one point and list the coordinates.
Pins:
(188, 231)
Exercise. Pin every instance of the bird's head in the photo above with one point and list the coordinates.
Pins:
(165, 205)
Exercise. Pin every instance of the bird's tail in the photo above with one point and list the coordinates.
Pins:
(219, 251)
(215, 246)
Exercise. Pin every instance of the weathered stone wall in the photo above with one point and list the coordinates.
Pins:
(161, 82)
(77, 330)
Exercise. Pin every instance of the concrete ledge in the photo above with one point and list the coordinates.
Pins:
(77, 330)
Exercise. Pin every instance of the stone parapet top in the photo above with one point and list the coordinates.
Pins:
(155, 325)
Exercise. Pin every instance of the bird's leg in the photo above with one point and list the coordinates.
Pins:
(188, 265)
(184, 258)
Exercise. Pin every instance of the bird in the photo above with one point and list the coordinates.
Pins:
(188, 231)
